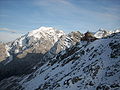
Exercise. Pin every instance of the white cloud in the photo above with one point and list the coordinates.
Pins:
(7, 36)
(8, 30)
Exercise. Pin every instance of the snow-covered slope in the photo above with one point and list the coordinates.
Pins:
(103, 33)
(84, 66)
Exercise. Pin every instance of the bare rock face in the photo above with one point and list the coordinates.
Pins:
(75, 36)
(88, 36)
(3, 52)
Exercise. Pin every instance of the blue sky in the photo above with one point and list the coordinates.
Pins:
(68, 15)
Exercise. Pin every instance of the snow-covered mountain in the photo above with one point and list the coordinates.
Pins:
(33, 48)
(103, 33)
(87, 65)
(41, 35)
(36, 41)
(42, 39)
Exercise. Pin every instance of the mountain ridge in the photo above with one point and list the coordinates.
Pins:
(74, 62)
(86, 66)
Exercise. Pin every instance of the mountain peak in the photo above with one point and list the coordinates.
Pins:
(45, 31)
(38, 37)
(45, 28)
(103, 33)
(101, 29)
